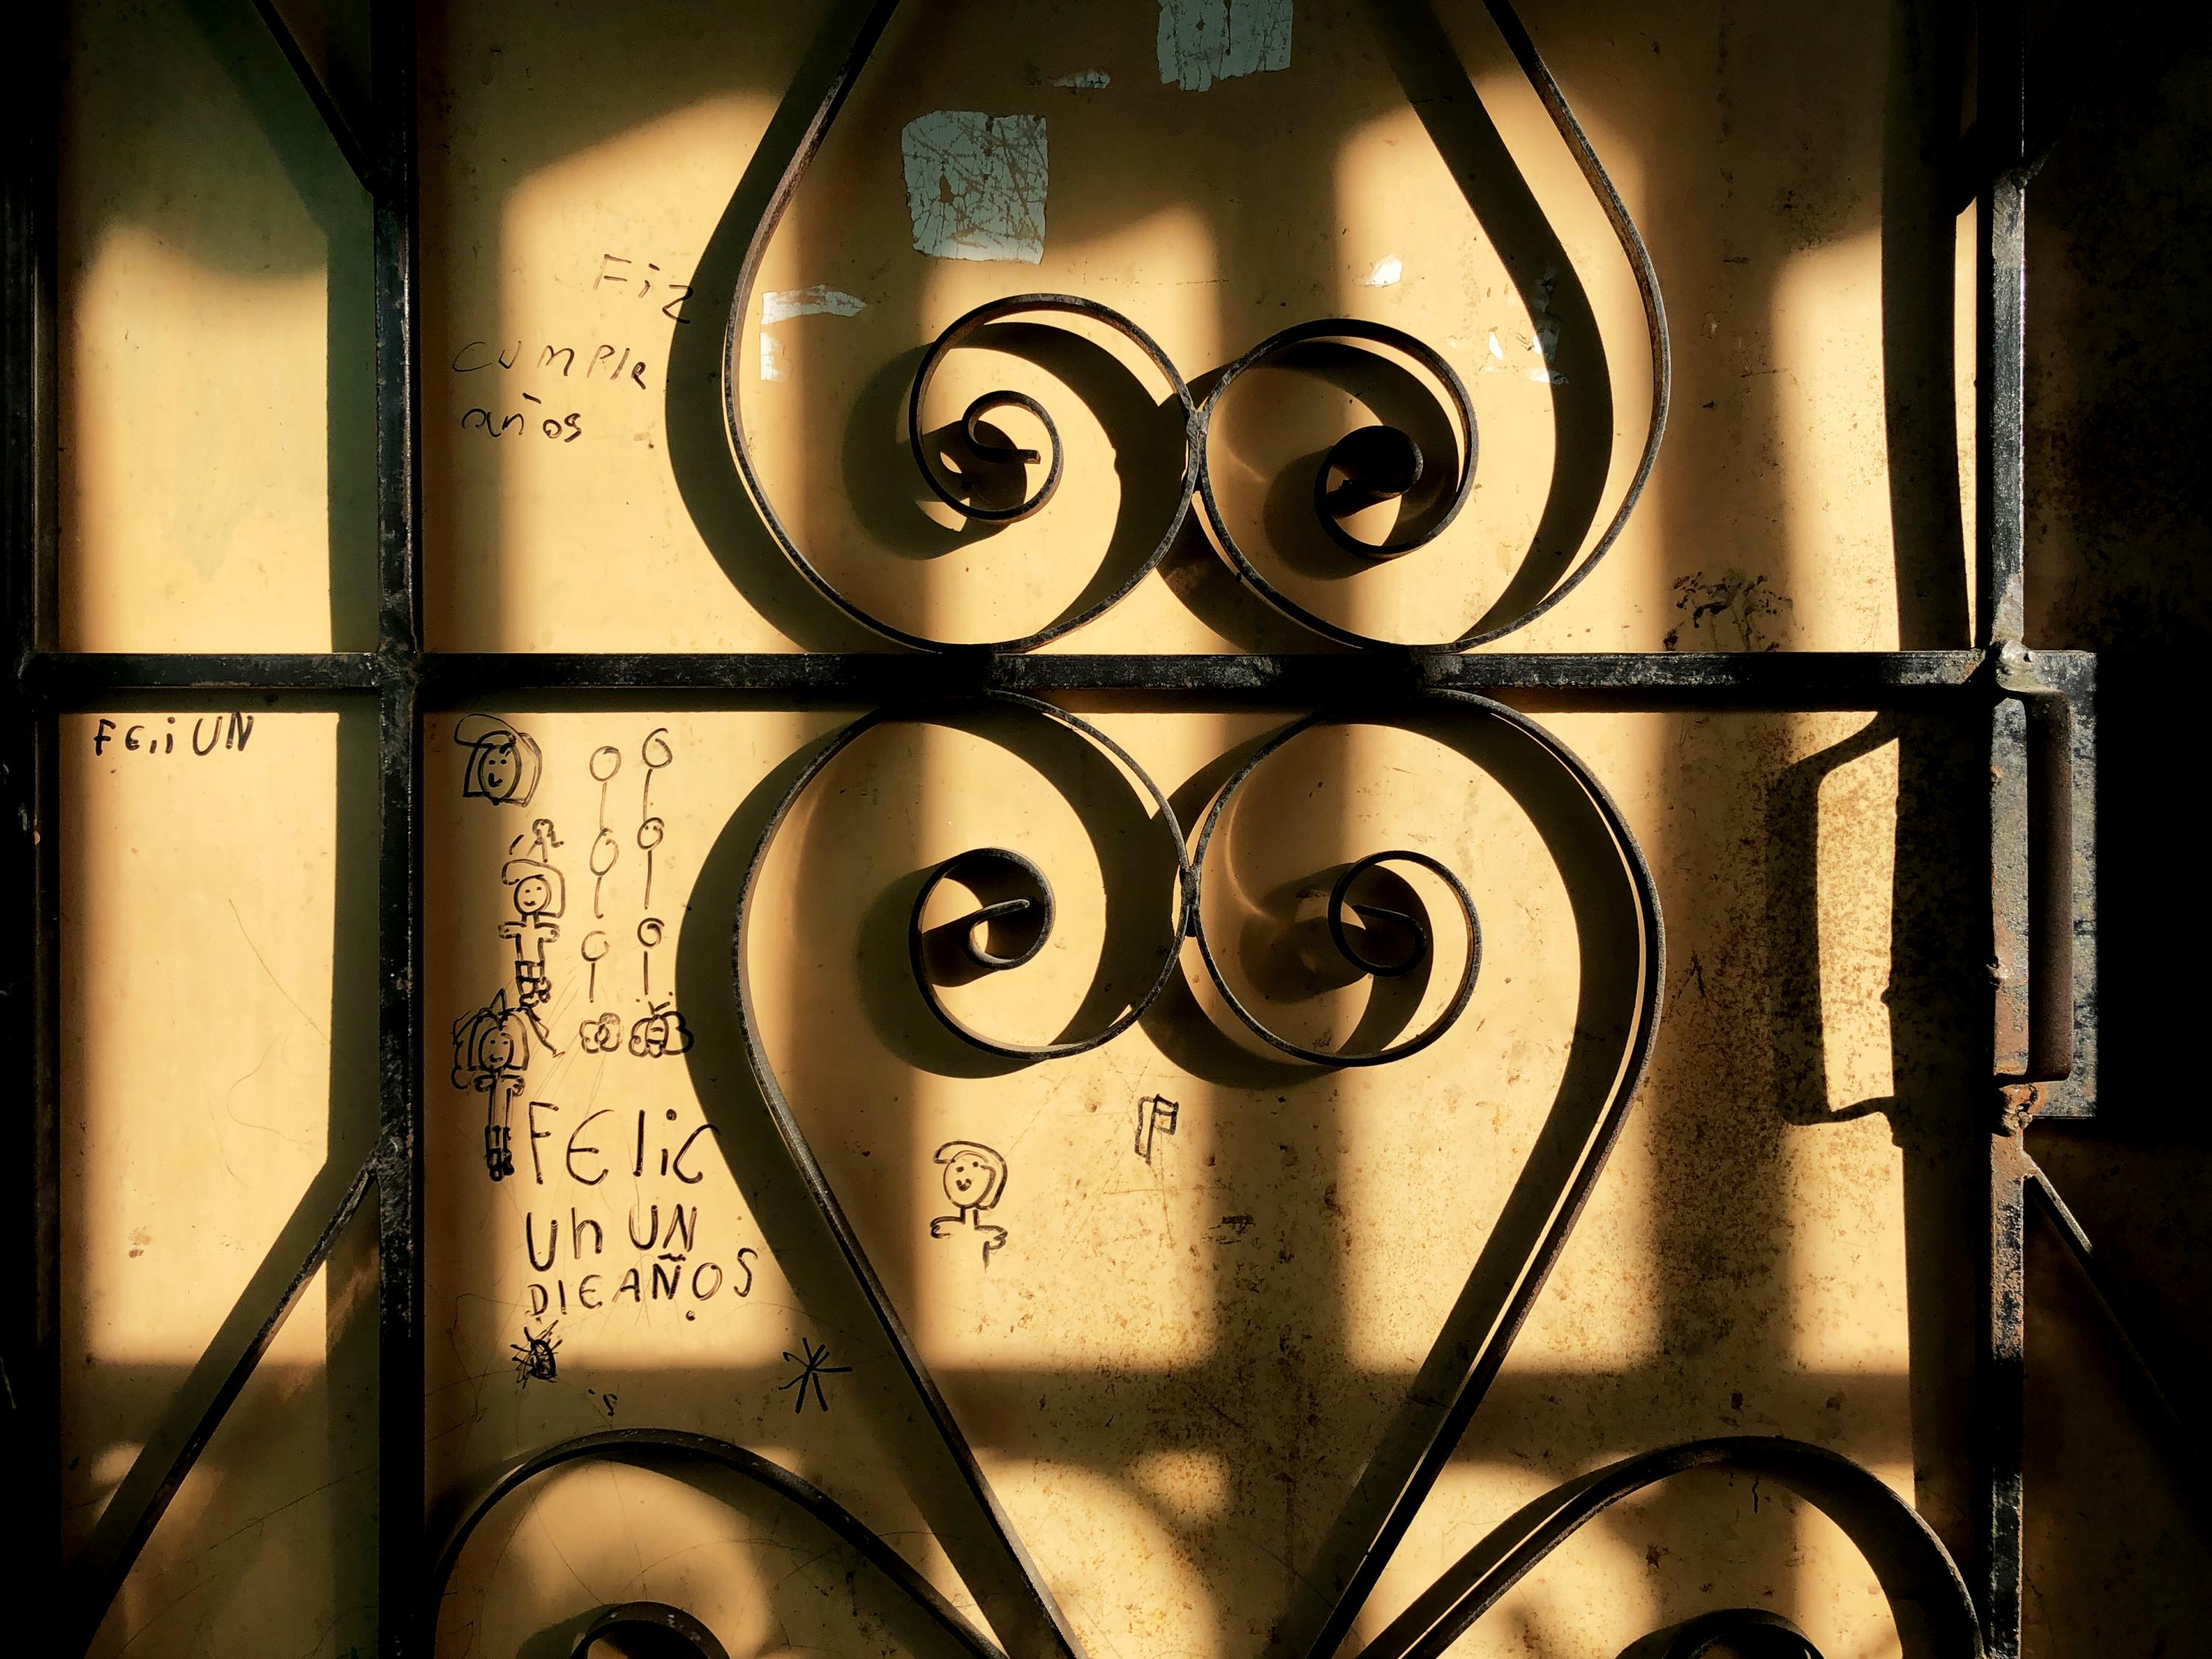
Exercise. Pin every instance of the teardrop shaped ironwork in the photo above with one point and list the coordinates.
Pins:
(1360, 466)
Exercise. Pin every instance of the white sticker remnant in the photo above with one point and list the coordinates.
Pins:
(1543, 345)
(1085, 80)
(1202, 41)
(1547, 348)
(976, 185)
(780, 305)
(1388, 269)
(771, 358)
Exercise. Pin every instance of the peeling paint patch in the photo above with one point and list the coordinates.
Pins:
(779, 305)
(976, 185)
(1202, 41)
(1085, 80)
(1388, 269)
(1546, 345)
(771, 358)
(1543, 344)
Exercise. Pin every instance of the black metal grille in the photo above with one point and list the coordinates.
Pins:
(2037, 710)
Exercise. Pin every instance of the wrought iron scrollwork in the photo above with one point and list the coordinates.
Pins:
(1414, 944)
(1927, 1596)
(1376, 464)
(681, 1448)
(1015, 912)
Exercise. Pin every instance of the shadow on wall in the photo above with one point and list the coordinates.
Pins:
(1819, 133)
(2118, 346)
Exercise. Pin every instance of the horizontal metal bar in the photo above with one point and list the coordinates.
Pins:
(66, 678)
(1303, 676)
(1837, 679)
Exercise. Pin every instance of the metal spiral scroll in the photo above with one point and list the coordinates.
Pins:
(1926, 1593)
(682, 1447)
(1340, 935)
(1376, 464)
(1026, 904)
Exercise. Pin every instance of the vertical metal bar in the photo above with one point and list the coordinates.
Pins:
(399, 860)
(399, 491)
(2001, 324)
(398, 1182)
(1997, 1431)
(30, 1385)
(2011, 980)
(2000, 1403)
(2000, 518)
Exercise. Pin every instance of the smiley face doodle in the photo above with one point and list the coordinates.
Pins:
(975, 1181)
(503, 763)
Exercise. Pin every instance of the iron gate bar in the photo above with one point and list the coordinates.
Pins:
(1839, 679)
(396, 208)
(30, 1343)
(1999, 521)
(44, 681)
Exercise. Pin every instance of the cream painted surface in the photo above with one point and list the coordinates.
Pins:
(1191, 1332)
(215, 374)
(203, 1097)
(1173, 1369)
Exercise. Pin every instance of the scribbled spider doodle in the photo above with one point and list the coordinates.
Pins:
(813, 1369)
(533, 1355)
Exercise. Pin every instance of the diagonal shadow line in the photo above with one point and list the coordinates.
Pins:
(318, 93)
(1442, 93)
(342, 216)
(200, 1403)
(2153, 1364)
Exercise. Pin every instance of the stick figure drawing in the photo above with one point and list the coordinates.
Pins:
(538, 894)
(491, 1049)
(974, 1180)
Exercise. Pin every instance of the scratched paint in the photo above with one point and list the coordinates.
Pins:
(1535, 350)
(780, 305)
(1085, 80)
(1202, 41)
(976, 185)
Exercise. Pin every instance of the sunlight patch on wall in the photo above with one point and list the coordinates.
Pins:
(1826, 372)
